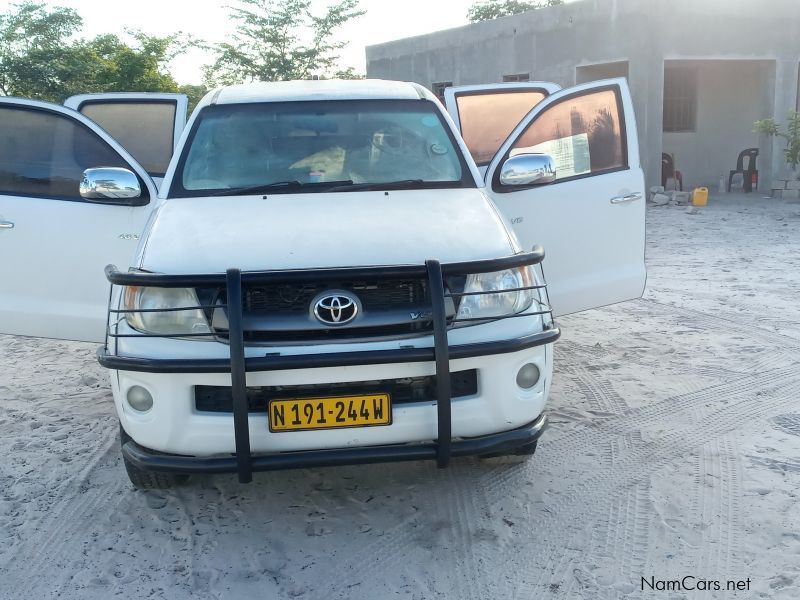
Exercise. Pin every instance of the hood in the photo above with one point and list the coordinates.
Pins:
(346, 229)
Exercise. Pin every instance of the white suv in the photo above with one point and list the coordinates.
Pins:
(321, 272)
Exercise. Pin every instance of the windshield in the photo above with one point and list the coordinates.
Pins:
(298, 147)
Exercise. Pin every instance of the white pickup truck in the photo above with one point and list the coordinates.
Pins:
(319, 272)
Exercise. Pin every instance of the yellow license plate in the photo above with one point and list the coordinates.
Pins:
(304, 414)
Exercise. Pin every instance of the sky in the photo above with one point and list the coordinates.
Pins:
(207, 20)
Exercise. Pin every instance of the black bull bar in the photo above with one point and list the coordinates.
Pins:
(238, 365)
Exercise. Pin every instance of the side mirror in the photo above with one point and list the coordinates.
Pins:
(110, 185)
(528, 169)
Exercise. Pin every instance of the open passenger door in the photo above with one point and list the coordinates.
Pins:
(486, 114)
(590, 219)
(148, 125)
(55, 243)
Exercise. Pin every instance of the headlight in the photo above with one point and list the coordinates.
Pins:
(170, 322)
(480, 306)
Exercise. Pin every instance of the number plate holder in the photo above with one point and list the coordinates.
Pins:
(330, 412)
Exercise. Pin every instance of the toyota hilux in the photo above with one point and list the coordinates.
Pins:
(319, 273)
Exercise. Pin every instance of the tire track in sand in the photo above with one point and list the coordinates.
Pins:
(56, 529)
(590, 498)
(396, 543)
(691, 419)
(718, 507)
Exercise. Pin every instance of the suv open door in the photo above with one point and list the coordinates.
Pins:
(148, 125)
(54, 243)
(486, 114)
(590, 220)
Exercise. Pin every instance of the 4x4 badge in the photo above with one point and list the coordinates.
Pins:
(337, 308)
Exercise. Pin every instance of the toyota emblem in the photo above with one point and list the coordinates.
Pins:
(336, 308)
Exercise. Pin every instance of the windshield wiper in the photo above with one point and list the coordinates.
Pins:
(382, 185)
(258, 189)
(280, 185)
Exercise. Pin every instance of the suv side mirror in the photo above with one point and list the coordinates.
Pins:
(110, 185)
(528, 169)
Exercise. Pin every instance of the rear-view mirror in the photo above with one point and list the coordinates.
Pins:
(110, 185)
(528, 169)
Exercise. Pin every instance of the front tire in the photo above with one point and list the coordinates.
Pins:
(148, 480)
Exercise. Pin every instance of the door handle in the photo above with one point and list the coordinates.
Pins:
(628, 198)
(6, 225)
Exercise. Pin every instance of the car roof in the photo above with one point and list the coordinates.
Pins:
(328, 89)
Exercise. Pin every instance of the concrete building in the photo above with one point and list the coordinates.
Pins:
(700, 71)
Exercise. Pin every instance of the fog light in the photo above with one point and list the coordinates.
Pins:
(140, 399)
(528, 376)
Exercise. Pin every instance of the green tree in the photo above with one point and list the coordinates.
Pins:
(114, 66)
(42, 57)
(279, 40)
(791, 134)
(492, 9)
(37, 59)
(348, 73)
(195, 93)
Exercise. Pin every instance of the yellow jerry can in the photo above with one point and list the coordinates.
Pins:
(700, 196)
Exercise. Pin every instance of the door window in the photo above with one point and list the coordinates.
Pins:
(143, 128)
(583, 133)
(487, 118)
(44, 154)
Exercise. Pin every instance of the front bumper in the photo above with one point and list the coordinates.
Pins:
(177, 425)
(239, 368)
(506, 441)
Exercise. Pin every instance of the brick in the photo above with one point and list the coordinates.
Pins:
(778, 184)
(777, 193)
(793, 185)
(681, 197)
(790, 194)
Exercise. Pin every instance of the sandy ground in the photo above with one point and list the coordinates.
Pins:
(673, 451)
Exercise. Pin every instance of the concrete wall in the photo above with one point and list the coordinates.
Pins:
(548, 44)
(587, 73)
(553, 44)
(731, 95)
